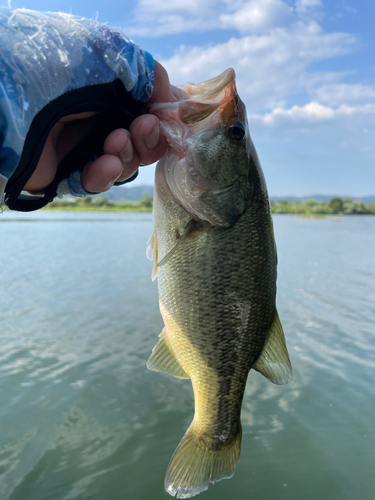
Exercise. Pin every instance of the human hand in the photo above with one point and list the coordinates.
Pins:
(124, 150)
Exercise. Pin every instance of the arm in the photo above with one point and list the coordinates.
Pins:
(71, 100)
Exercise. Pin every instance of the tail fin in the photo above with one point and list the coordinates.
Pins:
(195, 465)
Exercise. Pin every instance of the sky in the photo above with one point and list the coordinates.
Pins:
(305, 71)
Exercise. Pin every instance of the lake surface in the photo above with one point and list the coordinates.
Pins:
(82, 418)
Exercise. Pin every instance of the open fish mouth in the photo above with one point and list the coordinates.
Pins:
(204, 91)
(206, 164)
(197, 103)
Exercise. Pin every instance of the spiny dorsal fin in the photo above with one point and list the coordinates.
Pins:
(187, 230)
(274, 362)
(162, 359)
(152, 254)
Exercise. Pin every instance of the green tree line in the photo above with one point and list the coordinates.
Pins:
(336, 205)
(309, 207)
(101, 203)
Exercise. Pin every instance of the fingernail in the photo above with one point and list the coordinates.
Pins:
(127, 153)
(108, 186)
(153, 138)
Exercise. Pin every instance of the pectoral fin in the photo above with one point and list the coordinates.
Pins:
(274, 362)
(163, 359)
(187, 230)
(152, 254)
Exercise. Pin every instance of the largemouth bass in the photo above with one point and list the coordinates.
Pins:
(215, 257)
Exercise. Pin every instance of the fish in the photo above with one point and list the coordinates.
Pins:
(214, 254)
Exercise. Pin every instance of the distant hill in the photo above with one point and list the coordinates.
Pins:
(135, 193)
(131, 193)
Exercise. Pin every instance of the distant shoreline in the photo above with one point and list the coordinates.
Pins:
(96, 209)
(307, 209)
(129, 210)
(100, 204)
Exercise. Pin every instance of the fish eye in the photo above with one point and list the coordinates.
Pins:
(236, 131)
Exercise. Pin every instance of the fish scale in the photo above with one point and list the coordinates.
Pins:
(216, 280)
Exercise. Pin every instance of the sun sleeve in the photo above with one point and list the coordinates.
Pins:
(53, 65)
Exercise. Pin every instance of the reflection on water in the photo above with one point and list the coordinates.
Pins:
(81, 416)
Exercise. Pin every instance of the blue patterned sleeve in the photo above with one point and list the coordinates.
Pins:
(51, 65)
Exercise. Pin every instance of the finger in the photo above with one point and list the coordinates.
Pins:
(119, 143)
(101, 174)
(162, 88)
(147, 139)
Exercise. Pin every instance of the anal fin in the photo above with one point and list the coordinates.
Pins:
(273, 362)
(163, 359)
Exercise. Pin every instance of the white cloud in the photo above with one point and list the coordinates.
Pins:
(274, 54)
(170, 24)
(269, 67)
(314, 112)
(176, 5)
(303, 6)
(339, 93)
(156, 18)
(257, 15)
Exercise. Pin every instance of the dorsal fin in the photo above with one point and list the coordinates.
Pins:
(274, 362)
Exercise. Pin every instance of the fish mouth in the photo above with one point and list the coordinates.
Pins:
(205, 110)
(209, 89)
(198, 102)
(204, 99)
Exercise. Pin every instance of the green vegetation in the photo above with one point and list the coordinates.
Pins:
(101, 204)
(313, 208)
(308, 208)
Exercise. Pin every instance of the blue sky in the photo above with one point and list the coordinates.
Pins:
(305, 70)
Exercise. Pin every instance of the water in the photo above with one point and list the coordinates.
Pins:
(82, 418)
